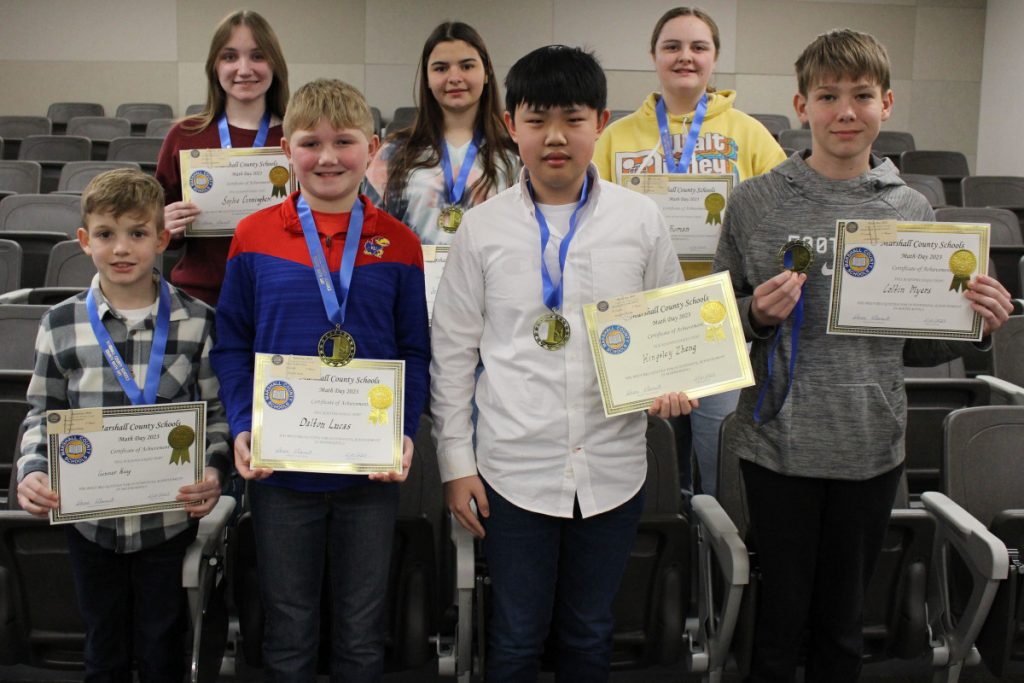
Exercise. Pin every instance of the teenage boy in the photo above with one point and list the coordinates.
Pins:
(559, 487)
(127, 570)
(822, 464)
(272, 301)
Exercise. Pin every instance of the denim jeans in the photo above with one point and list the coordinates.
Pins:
(296, 532)
(133, 605)
(554, 573)
(705, 423)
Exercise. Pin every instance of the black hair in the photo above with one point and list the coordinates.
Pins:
(556, 76)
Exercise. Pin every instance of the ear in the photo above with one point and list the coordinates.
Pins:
(83, 240)
(800, 105)
(373, 147)
(887, 102)
(163, 239)
(286, 148)
(602, 120)
(510, 124)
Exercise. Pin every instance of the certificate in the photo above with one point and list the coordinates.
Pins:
(311, 417)
(686, 337)
(895, 279)
(434, 258)
(116, 462)
(229, 184)
(692, 205)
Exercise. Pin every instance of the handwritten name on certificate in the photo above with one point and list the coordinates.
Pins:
(434, 259)
(116, 462)
(686, 337)
(895, 279)
(229, 184)
(312, 417)
(693, 206)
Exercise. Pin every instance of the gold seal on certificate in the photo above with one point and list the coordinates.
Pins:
(551, 331)
(686, 337)
(714, 203)
(450, 218)
(311, 417)
(336, 347)
(795, 255)
(961, 263)
(279, 179)
(179, 439)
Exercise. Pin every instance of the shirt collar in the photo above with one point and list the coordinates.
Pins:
(594, 192)
(103, 307)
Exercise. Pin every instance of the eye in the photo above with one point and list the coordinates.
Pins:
(258, 57)
(440, 68)
(228, 57)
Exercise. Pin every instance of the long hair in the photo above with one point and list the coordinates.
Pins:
(276, 97)
(426, 134)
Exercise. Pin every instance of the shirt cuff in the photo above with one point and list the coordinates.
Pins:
(456, 463)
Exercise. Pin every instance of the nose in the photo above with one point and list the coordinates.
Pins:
(244, 65)
(121, 245)
(328, 155)
(554, 135)
(847, 111)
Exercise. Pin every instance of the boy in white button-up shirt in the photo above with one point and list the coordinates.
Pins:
(558, 485)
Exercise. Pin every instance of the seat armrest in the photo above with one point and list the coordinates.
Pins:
(1011, 393)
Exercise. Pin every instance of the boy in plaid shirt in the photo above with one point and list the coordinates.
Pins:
(127, 570)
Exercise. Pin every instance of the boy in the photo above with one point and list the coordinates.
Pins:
(127, 570)
(821, 466)
(272, 302)
(559, 486)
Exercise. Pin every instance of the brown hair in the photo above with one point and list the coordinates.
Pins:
(124, 191)
(276, 97)
(842, 53)
(426, 134)
(342, 105)
(697, 12)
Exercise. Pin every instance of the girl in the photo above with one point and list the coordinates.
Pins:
(688, 114)
(457, 153)
(246, 97)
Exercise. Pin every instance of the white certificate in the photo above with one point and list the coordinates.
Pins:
(693, 206)
(311, 417)
(686, 337)
(229, 184)
(895, 279)
(434, 259)
(115, 462)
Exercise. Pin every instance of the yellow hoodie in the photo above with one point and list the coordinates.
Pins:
(729, 142)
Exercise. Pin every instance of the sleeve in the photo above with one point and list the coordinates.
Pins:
(232, 354)
(47, 390)
(218, 438)
(729, 257)
(457, 328)
(412, 332)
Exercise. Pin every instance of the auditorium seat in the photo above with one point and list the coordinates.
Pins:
(1006, 243)
(37, 222)
(1008, 355)
(14, 129)
(891, 144)
(10, 266)
(20, 324)
(141, 113)
(950, 166)
(52, 152)
(75, 175)
(378, 122)
(993, 190)
(158, 128)
(617, 114)
(69, 266)
(775, 123)
(20, 177)
(100, 130)
(193, 109)
(928, 185)
(141, 150)
(62, 112)
(402, 118)
(797, 139)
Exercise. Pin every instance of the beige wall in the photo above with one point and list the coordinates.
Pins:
(114, 51)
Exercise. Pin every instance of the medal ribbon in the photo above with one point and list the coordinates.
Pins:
(552, 292)
(798, 321)
(261, 134)
(335, 309)
(147, 395)
(454, 189)
(683, 165)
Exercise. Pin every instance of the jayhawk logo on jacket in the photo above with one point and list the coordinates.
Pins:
(375, 246)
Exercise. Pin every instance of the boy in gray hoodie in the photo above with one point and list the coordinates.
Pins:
(821, 435)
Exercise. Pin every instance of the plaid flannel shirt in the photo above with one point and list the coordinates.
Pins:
(71, 372)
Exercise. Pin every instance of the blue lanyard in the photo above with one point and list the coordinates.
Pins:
(667, 149)
(261, 134)
(454, 189)
(798, 321)
(552, 292)
(137, 396)
(335, 309)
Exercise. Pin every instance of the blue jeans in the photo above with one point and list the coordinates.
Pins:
(554, 572)
(132, 605)
(296, 532)
(705, 422)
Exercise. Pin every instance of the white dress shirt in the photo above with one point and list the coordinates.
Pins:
(542, 438)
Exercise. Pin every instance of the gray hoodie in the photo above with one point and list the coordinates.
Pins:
(846, 412)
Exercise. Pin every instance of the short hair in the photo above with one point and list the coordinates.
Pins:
(556, 76)
(677, 12)
(842, 53)
(124, 191)
(328, 99)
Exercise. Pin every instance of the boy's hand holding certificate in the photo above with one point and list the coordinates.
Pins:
(907, 279)
(686, 337)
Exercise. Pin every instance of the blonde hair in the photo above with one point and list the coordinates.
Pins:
(276, 97)
(124, 191)
(842, 53)
(334, 101)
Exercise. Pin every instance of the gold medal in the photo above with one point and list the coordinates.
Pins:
(179, 439)
(450, 218)
(795, 255)
(551, 331)
(279, 179)
(336, 347)
(961, 263)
